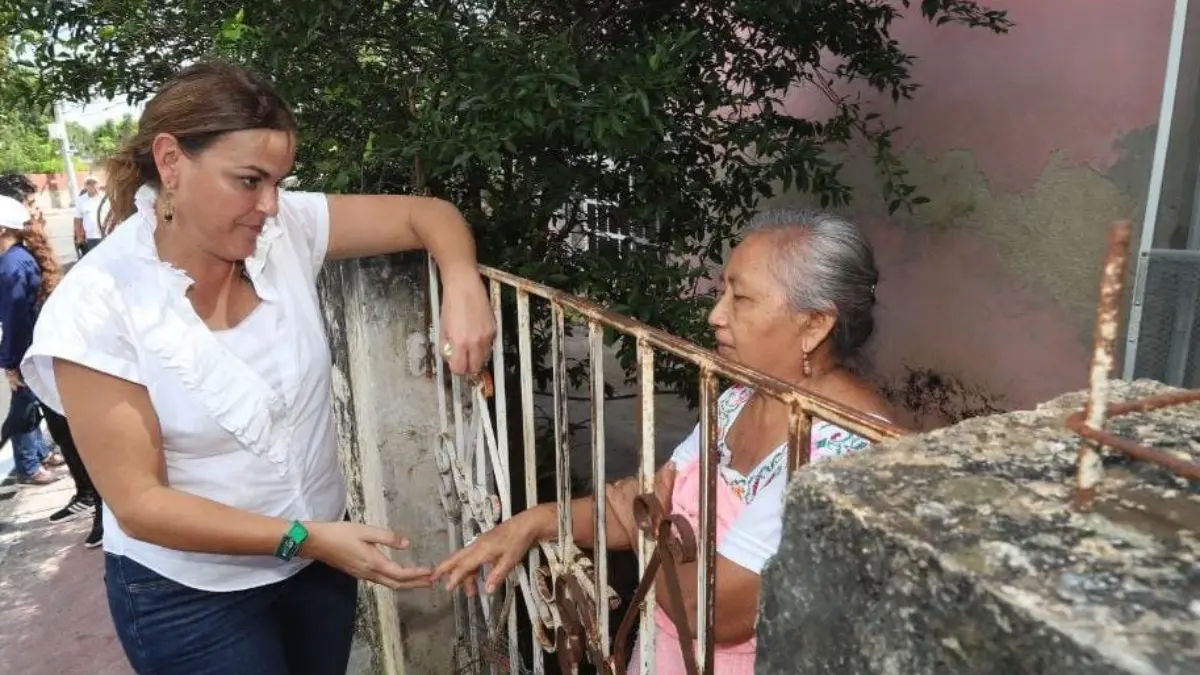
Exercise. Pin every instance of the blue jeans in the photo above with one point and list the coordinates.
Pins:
(300, 626)
(29, 451)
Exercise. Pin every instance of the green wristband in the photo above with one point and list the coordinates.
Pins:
(289, 546)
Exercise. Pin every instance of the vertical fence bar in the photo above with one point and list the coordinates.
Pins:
(706, 587)
(646, 456)
(472, 605)
(562, 435)
(599, 479)
(456, 531)
(483, 478)
(435, 338)
(499, 377)
(799, 437)
(529, 434)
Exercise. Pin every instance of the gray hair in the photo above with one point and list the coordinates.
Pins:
(824, 263)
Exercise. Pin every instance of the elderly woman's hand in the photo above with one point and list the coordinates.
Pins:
(468, 325)
(501, 547)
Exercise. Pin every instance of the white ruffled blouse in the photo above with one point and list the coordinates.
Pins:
(245, 414)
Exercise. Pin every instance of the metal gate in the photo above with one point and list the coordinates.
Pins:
(565, 593)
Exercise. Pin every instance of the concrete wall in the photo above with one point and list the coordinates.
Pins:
(958, 551)
(1029, 145)
(386, 411)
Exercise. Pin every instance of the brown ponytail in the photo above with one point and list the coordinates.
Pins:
(124, 179)
(34, 240)
(200, 104)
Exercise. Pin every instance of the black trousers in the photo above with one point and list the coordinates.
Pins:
(60, 431)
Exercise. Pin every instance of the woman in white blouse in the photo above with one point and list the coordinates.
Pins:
(189, 354)
(797, 304)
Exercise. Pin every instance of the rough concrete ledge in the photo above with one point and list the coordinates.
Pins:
(958, 551)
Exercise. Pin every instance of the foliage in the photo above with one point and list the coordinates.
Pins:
(671, 114)
(25, 146)
(25, 116)
(98, 143)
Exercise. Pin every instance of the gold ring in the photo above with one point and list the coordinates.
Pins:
(447, 351)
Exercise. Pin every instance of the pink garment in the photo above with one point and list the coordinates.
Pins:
(737, 659)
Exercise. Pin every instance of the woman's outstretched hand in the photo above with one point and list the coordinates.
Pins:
(468, 325)
(502, 548)
(354, 549)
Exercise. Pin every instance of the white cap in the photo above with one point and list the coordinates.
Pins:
(13, 214)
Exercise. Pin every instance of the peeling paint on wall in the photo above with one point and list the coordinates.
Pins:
(1029, 146)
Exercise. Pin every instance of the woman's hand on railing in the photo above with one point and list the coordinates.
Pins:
(501, 547)
(468, 325)
(354, 549)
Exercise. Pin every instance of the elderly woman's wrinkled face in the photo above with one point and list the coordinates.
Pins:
(754, 322)
(225, 194)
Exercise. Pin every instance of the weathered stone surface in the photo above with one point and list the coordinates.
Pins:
(958, 551)
(377, 318)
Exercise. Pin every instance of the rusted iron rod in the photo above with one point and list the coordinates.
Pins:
(869, 427)
(799, 438)
(1089, 468)
(1078, 423)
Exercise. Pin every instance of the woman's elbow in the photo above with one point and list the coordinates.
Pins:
(137, 514)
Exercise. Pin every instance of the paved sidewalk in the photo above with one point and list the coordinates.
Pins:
(53, 613)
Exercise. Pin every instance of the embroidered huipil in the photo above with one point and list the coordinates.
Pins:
(245, 413)
(749, 518)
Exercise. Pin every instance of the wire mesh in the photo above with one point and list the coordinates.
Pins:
(1170, 323)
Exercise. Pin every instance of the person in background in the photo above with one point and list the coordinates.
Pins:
(87, 217)
(21, 282)
(799, 292)
(85, 500)
(190, 354)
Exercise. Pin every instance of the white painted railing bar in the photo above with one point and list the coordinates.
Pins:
(599, 475)
(647, 630)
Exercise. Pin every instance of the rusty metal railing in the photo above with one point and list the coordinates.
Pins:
(567, 596)
(1089, 423)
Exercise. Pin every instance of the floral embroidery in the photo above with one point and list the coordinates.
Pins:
(828, 441)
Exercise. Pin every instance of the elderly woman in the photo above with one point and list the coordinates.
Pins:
(797, 303)
(189, 354)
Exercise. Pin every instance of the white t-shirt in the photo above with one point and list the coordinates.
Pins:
(754, 537)
(246, 414)
(87, 209)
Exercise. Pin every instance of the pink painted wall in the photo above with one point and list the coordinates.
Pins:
(1073, 76)
(1029, 144)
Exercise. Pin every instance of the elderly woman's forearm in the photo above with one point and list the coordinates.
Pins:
(177, 520)
(582, 524)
